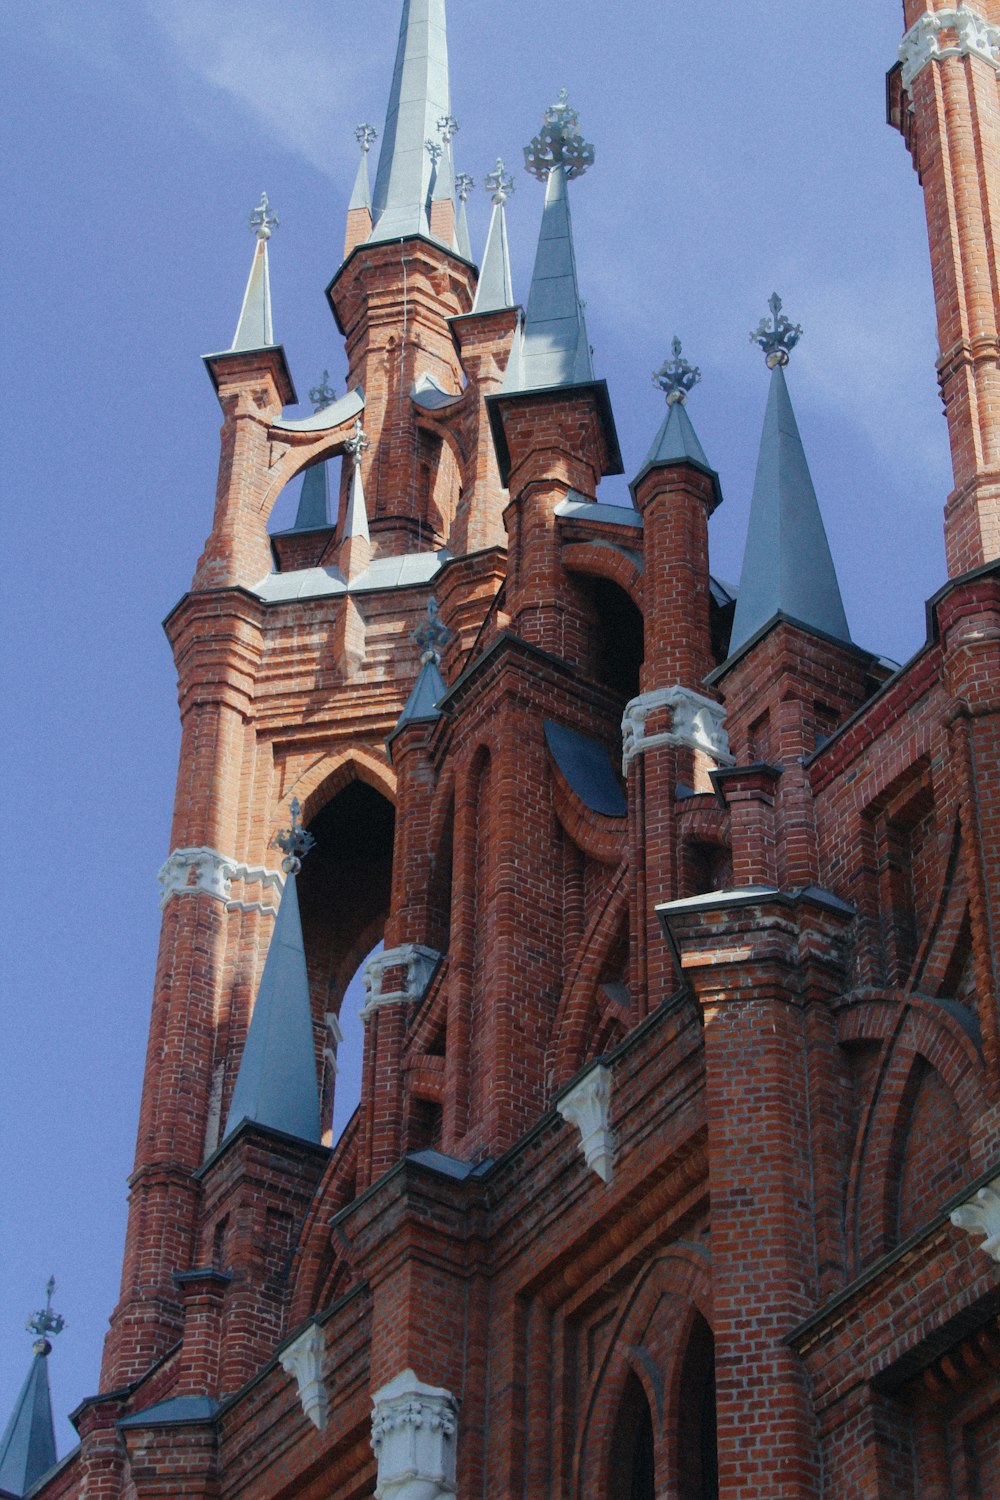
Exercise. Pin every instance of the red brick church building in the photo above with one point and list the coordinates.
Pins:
(676, 1171)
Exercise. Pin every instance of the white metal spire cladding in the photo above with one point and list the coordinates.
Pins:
(254, 330)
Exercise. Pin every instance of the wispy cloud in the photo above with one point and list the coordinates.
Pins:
(287, 74)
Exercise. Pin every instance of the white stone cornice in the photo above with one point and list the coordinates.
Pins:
(418, 964)
(981, 1215)
(587, 1105)
(192, 872)
(414, 1433)
(695, 721)
(303, 1359)
(959, 32)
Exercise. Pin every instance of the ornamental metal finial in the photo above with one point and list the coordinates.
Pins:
(294, 841)
(366, 136)
(262, 220)
(559, 143)
(434, 150)
(447, 125)
(676, 377)
(499, 183)
(357, 444)
(433, 636)
(323, 395)
(46, 1322)
(778, 341)
(464, 185)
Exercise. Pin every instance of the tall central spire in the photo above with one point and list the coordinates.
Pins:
(419, 101)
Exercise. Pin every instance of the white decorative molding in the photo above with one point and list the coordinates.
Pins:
(419, 964)
(189, 872)
(696, 721)
(414, 1433)
(304, 1360)
(939, 34)
(981, 1215)
(588, 1107)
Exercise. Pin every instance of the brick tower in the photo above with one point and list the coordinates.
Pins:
(680, 1087)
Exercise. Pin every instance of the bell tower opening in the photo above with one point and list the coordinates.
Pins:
(632, 1470)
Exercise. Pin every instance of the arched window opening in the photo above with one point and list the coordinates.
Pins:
(344, 892)
(304, 516)
(618, 638)
(632, 1467)
(707, 867)
(697, 1426)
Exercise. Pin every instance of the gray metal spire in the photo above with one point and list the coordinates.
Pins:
(254, 330)
(356, 516)
(276, 1085)
(419, 100)
(28, 1445)
(361, 197)
(463, 187)
(495, 289)
(430, 687)
(676, 442)
(555, 349)
(787, 566)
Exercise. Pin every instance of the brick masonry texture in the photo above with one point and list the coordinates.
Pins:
(767, 1299)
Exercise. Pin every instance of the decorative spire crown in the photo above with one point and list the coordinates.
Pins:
(434, 150)
(433, 636)
(366, 136)
(675, 377)
(447, 126)
(778, 336)
(295, 841)
(464, 185)
(499, 183)
(358, 444)
(323, 395)
(559, 143)
(262, 221)
(46, 1322)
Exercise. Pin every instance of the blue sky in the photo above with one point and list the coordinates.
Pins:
(741, 148)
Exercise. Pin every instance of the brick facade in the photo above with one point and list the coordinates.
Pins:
(770, 975)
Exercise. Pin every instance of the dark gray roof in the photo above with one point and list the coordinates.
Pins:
(174, 1411)
(586, 765)
(676, 443)
(254, 330)
(787, 566)
(276, 1085)
(314, 499)
(554, 349)
(421, 706)
(418, 99)
(28, 1445)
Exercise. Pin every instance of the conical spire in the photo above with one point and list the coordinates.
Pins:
(787, 566)
(495, 289)
(356, 515)
(430, 687)
(555, 350)
(676, 442)
(254, 330)
(276, 1084)
(361, 197)
(463, 187)
(28, 1445)
(418, 101)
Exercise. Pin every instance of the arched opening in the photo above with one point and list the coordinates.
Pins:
(697, 1424)
(344, 891)
(618, 638)
(632, 1466)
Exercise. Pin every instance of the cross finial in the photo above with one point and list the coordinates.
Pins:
(294, 841)
(778, 337)
(464, 185)
(323, 395)
(357, 444)
(46, 1322)
(559, 143)
(676, 377)
(262, 220)
(499, 183)
(366, 136)
(434, 150)
(447, 125)
(432, 636)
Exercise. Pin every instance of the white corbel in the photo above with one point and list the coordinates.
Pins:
(981, 1215)
(587, 1105)
(303, 1359)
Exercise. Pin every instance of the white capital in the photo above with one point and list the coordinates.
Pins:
(418, 964)
(189, 872)
(981, 1215)
(588, 1107)
(414, 1433)
(695, 721)
(939, 34)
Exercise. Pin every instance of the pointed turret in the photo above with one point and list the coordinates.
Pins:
(354, 552)
(463, 187)
(28, 1445)
(676, 442)
(276, 1085)
(495, 290)
(419, 100)
(555, 349)
(421, 706)
(359, 209)
(788, 570)
(254, 329)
